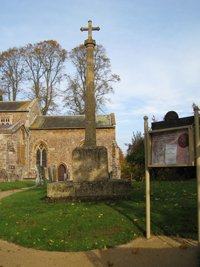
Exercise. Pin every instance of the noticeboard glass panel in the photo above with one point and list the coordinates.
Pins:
(171, 148)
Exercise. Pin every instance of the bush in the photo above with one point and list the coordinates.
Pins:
(172, 174)
(135, 159)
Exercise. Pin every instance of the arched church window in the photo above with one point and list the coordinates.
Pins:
(41, 156)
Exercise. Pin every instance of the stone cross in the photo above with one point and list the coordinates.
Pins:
(89, 29)
(90, 121)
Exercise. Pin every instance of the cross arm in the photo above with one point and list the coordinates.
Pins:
(93, 29)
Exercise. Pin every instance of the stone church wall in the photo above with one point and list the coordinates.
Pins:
(3, 157)
(34, 111)
(16, 116)
(60, 144)
(27, 117)
(11, 167)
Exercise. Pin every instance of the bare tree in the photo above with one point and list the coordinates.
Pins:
(11, 72)
(34, 69)
(74, 98)
(45, 63)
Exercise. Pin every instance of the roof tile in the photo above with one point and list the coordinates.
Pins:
(14, 105)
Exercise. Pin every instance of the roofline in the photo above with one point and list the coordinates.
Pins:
(14, 127)
(76, 115)
(22, 101)
(8, 111)
(68, 128)
(18, 101)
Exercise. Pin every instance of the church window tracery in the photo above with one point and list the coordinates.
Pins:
(41, 155)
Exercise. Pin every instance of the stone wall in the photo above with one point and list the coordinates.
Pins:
(3, 157)
(116, 168)
(90, 164)
(12, 156)
(98, 190)
(60, 144)
(16, 117)
(34, 111)
(27, 117)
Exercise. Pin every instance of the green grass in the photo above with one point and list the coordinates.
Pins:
(174, 208)
(27, 219)
(15, 185)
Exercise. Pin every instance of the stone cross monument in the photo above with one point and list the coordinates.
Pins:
(90, 178)
(90, 162)
(90, 124)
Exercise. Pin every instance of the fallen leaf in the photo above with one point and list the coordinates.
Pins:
(50, 241)
(135, 250)
(183, 246)
(109, 263)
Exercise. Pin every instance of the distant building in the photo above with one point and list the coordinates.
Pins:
(28, 138)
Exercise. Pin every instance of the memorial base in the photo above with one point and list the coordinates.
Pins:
(95, 190)
(89, 164)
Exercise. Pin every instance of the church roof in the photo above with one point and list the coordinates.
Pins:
(10, 128)
(70, 122)
(11, 106)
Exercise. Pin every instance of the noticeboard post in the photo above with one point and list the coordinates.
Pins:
(172, 143)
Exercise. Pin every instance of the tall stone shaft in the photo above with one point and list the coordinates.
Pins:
(90, 121)
(90, 162)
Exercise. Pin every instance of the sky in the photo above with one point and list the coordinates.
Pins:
(153, 45)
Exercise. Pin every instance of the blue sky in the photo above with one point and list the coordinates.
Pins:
(154, 45)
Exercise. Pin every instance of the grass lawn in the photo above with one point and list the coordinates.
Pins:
(27, 219)
(15, 185)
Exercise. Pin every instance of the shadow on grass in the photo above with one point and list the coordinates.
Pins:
(135, 215)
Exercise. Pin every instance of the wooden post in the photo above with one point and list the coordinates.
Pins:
(147, 177)
(197, 150)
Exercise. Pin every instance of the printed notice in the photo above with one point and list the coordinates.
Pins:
(170, 153)
(170, 148)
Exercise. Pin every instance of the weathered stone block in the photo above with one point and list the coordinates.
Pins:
(89, 164)
(60, 190)
(94, 190)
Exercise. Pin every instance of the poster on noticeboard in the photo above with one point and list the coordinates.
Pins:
(170, 148)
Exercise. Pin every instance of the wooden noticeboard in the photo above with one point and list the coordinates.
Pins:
(172, 143)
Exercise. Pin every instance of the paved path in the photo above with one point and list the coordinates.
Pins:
(159, 251)
(10, 192)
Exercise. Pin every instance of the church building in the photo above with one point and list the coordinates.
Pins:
(28, 138)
